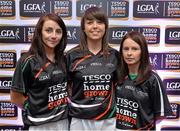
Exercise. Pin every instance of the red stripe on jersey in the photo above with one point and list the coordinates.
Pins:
(81, 60)
(44, 67)
(108, 108)
(148, 127)
(28, 57)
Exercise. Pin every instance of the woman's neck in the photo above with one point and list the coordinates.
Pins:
(94, 46)
(50, 55)
(133, 69)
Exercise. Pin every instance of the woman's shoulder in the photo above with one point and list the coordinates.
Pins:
(154, 77)
(73, 50)
(28, 58)
(111, 49)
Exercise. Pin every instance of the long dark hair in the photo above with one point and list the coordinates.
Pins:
(90, 14)
(37, 47)
(145, 67)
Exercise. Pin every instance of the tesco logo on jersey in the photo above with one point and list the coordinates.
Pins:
(127, 114)
(172, 86)
(96, 85)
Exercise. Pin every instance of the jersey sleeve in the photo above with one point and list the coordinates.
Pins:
(21, 76)
(160, 102)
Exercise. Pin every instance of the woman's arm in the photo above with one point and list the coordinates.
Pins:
(17, 98)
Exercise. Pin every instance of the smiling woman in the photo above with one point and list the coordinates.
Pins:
(92, 75)
(39, 84)
(51, 37)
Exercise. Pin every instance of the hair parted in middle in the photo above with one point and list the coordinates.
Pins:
(94, 13)
(37, 46)
(145, 67)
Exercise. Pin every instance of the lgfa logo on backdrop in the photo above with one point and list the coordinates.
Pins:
(33, 8)
(117, 33)
(172, 86)
(11, 34)
(5, 84)
(166, 61)
(172, 35)
(147, 9)
(73, 34)
(84, 5)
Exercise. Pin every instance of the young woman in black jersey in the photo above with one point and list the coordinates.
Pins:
(39, 84)
(140, 96)
(91, 69)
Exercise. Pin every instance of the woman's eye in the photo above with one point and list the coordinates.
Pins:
(48, 30)
(135, 48)
(125, 48)
(59, 31)
(89, 22)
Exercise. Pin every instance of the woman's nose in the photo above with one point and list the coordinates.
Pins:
(54, 34)
(94, 24)
(129, 52)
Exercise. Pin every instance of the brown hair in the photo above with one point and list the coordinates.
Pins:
(37, 47)
(90, 14)
(144, 67)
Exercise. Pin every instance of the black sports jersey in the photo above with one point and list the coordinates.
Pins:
(46, 90)
(93, 79)
(139, 105)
